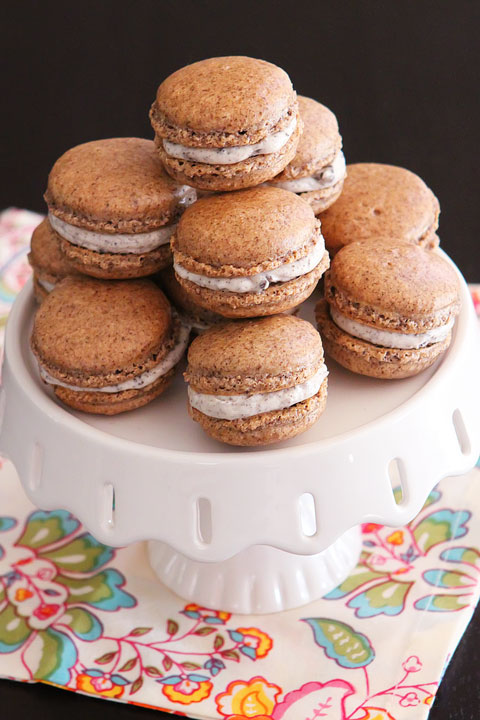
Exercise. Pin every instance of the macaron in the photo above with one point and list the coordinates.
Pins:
(389, 308)
(256, 382)
(317, 171)
(226, 123)
(381, 201)
(250, 253)
(107, 346)
(114, 208)
(49, 265)
(196, 317)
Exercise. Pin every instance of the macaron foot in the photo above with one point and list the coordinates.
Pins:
(278, 298)
(114, 266)
(220, 178)
(101, 403)
(364, 358)
(320, 200)
(266, 428)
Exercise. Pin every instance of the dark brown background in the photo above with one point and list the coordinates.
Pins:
(402, 78)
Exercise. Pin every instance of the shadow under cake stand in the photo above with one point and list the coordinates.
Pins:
(245, 530)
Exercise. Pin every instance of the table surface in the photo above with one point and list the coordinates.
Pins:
(458, 697)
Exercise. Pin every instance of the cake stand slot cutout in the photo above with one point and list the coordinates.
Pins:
(397, 475)
(108, 515)
(461, 432)
(204, 521)
(308, 514)
(36, 467)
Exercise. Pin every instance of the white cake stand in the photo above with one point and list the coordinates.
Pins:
(246, 530)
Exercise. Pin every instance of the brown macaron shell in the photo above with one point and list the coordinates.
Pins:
(319, 143)
(46, 260)
(381, 201)
(398, 287)
(240, 235)
(92, 334)
(257, 356)
(114, 186)
(225, 102)
(115, 266)
(393, 286)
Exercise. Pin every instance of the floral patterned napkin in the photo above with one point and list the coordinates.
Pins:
(83, 616)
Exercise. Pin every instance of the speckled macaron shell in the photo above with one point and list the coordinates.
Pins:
(225, 102)
(49, 265)
(393, 286)
(257, 356)
(381, 201)
(389, 286)
(93, 333)
(242, 234)
(116, 185)
(113, 186)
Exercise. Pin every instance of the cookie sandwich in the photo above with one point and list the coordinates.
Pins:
(49, 265)
(389, 308)
(250, 253)
(318, 169)
(226, 123)
(114, 208)
(382, 201)
(257, 382)
(107, 346)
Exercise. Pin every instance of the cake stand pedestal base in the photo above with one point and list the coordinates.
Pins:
(260, 579)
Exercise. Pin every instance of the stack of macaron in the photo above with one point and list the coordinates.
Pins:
(232, 213)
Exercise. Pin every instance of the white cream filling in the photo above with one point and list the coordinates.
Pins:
(324, 178)
(134, 243)
(385, 338)
(231, 155)
(48, 286)
(185, 195)
(135, 383)
(261, 281)
(234, 407)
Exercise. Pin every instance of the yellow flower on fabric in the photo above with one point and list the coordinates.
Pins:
(188, 691)
(103, 686)
(248, 699)
(211, 617)
(258, 640)
(396, 538)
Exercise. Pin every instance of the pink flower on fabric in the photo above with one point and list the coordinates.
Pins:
(102, 683)
(412, 664)
(411, 699)
(315, 700)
